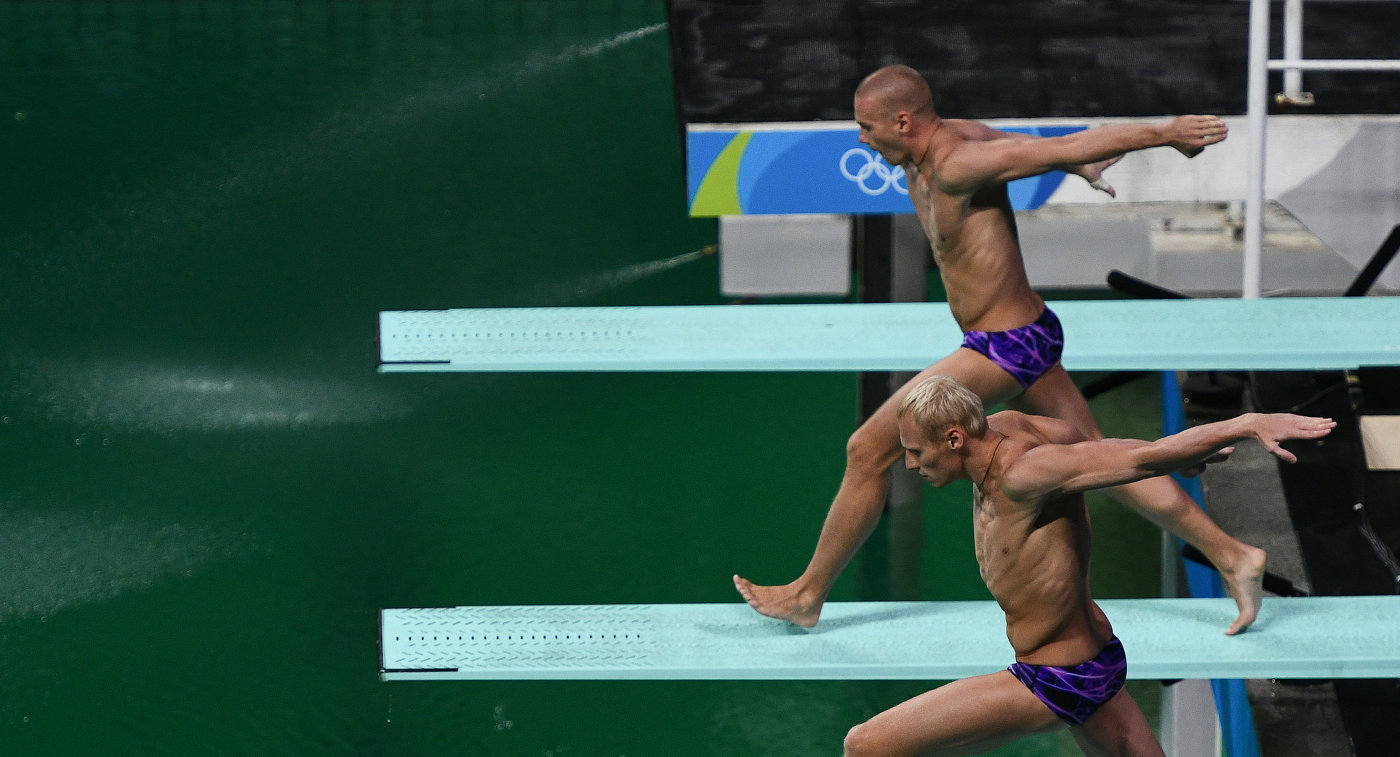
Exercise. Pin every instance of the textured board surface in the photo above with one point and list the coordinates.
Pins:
(1312, 637)
(1302, 333)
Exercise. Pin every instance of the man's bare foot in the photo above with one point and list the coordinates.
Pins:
(1245, 581)
(781, 602)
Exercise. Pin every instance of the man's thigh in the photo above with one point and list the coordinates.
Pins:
(1118, 728)
(964, 717)
(971, 369)
(1054, 395)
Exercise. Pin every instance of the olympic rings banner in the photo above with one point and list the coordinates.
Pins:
(770, 169)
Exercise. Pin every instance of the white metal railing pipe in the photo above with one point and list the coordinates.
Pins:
(1257, 104)
(1258, 112)
(1345, 64)
(1293, 51)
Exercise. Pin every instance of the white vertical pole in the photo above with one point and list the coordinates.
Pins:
(1258, 105)
(1293, 49)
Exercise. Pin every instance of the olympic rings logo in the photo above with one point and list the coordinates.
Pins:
(874, 165)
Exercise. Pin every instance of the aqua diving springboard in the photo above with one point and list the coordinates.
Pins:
(1309, 637)
(1290, 333)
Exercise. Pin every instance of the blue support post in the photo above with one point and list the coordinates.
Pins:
(1231, 700)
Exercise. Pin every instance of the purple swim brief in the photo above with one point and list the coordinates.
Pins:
(1074, 693)
(1027, 352)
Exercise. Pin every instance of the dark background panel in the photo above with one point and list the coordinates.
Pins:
(791, 60)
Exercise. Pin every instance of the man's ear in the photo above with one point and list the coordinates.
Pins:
(903, 121)
(955, 438)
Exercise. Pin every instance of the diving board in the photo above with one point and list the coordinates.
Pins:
(1290, 333)
(1311, 637)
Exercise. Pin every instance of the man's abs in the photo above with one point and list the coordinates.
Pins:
(985, 278)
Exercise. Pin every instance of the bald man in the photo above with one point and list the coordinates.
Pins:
(957, 173)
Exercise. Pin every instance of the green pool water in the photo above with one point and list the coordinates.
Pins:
(208, 490)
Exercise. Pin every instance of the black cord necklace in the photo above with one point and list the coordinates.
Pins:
(990, 461)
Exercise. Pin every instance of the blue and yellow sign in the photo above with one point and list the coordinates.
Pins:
(768, 169)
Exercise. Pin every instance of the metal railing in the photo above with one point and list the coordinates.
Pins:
(1292, 65)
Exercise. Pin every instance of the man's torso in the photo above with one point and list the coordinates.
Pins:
(978, 255)
(1034, 558)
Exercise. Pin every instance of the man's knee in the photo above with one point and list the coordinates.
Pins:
(870, 449)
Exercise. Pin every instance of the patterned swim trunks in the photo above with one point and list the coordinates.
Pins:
(1078, 691)
(1025, 353)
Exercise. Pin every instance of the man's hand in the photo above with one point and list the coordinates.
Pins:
(1093, 173)
(1192, 134)
(1272, 428)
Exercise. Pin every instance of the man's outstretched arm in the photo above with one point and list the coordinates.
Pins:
(1090, 172)
(1060, 469)
(977, 163)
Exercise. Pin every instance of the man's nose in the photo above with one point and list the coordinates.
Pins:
(910, 462)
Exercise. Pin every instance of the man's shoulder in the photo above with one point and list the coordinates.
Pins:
(1011, 421)
(1038, 429)
(1006, 421)
(966, 127)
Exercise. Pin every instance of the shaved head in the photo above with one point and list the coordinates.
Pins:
(896, 88)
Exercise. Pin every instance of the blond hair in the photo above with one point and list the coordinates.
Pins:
(940, 402)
